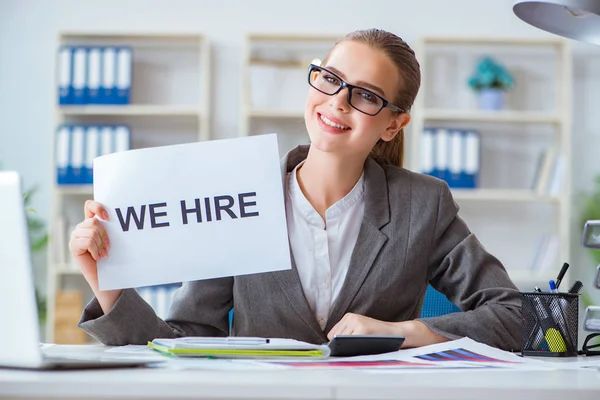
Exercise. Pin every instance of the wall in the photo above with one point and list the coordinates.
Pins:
(28, 32)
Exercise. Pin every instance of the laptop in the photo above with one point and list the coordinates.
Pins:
(19, 327)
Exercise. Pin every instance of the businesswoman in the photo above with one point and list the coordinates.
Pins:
(366, 236)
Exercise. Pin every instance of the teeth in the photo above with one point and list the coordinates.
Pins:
(331, 123)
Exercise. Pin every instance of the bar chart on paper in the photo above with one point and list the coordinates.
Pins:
(459, 355)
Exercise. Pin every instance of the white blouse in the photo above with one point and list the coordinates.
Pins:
(322, 249)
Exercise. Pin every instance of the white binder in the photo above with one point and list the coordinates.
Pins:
(93, 71)
(79, 75)
(62, 156)
(124, 71)
(471, 168)
(442, 139)
(64, 76)
(455, 164)
(77, 148)
(106, 140)
(92, 137)
(162, 301)
(122, 138)
(108, 82)
(427, 151)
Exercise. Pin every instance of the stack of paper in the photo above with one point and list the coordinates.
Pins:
(238, 347)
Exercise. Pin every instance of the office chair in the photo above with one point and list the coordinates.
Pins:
(436, 304)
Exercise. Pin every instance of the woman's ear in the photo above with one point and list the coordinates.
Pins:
(396, 125)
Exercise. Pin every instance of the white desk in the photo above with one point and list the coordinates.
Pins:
(155, 383)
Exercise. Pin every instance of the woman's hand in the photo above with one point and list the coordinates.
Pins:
(356, 324)
(89, 243)
(416, 333)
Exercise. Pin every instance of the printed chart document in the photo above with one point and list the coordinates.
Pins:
(457, 354)
(238, 347)
(192, 211)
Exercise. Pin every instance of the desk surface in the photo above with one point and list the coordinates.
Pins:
(155, 383)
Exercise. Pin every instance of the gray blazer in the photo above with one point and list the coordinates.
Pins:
(410, 236)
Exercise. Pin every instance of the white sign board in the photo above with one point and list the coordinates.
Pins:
(192, 211)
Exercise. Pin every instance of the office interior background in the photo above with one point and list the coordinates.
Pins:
(199, 72)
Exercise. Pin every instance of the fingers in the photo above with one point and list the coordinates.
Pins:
(82, 245)
(93, 208)
(351, 324)
(340, 328)
(90, 236)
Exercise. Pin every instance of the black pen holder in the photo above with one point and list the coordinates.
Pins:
(549, 324)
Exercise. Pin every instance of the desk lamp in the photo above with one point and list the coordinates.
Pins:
(574, 19)
(579, 20)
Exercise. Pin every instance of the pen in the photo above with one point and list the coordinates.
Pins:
(226, 340)
(577, 286)
(552, 334)
(553, 288)
(561, 274)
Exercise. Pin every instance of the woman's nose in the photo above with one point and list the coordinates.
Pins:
(340, 100)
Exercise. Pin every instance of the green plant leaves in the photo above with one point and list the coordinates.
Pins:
(490, 74)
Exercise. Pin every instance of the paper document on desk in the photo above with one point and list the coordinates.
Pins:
(457, 354)
(469, 352)
(192, 211)
(238, 347)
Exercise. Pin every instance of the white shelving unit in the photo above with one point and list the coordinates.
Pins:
(506, 211)
(170, 104)
(274, 84)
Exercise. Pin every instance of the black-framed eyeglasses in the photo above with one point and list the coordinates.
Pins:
(359, 98)
(588, 348)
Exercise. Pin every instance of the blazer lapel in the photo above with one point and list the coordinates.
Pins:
(370, 239)
(289, 280)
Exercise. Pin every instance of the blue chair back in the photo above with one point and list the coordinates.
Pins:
(436, 304)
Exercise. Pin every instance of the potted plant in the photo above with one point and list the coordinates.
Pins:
(491, 81)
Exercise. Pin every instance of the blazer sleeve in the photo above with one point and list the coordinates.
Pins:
(199, 308)
(474, 280)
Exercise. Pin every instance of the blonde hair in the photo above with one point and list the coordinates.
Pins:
(403, 57)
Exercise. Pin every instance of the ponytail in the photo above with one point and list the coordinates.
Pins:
(392, 152)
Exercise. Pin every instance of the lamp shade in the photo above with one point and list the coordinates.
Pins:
(574, 19)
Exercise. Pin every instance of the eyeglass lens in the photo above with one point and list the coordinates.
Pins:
(361, 99)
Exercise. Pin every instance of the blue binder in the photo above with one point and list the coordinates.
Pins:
(471, 168)
(62, 155)
(159, 297)
(65, 76)
(77, 154)
(455, 162)
(426, 150)
(79, 75)
(108, 82)
(94, 68)
(124, 75)
(92, 150)
(452, 155)
(107, 140)
(122, 138)
(441, 154)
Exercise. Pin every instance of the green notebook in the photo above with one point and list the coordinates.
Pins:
(238, 347)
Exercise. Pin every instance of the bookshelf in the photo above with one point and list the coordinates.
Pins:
(274, 84)
(506, 211)
(169, 104)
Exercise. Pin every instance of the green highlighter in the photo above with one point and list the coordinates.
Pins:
(555, 340)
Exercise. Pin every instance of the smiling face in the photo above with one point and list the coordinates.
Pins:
(333, 125)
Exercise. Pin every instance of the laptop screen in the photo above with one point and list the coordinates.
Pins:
(19, 334)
